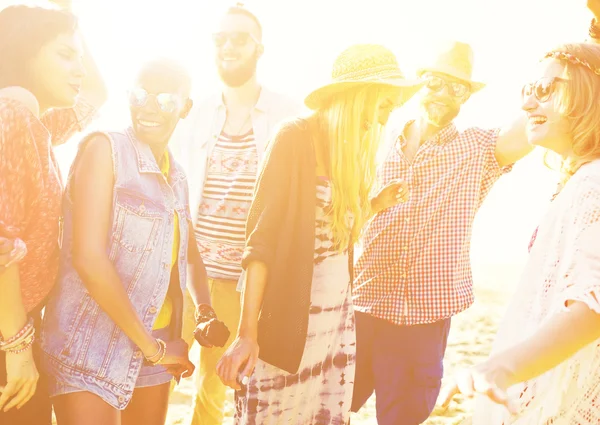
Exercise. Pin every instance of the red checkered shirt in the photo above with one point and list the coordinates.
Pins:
(415, 265)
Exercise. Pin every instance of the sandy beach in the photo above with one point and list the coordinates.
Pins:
(470, 341)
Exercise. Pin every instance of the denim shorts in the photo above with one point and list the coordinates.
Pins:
(149, 375)
(152, 375)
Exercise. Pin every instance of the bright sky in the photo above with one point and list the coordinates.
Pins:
(302, 39)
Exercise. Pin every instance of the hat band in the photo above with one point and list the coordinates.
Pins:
(452, 71)
(381, 71)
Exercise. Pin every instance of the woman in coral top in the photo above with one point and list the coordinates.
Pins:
(43, 70)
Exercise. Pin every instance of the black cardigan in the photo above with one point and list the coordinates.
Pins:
(280, 232)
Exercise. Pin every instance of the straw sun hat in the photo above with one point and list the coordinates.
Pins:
(364, 64)
(454, 59)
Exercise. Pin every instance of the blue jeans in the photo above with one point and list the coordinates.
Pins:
(402, 364)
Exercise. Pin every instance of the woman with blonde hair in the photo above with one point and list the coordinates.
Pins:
(294, 355)
(545, 364)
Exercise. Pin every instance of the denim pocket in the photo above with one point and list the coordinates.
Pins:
(80, 327)
(135, 230)
(137, 224)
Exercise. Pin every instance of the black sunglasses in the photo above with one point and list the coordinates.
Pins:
(167, 102)
(542, 89)
(237, 38)
(435, 83)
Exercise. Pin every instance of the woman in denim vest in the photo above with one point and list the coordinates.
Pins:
(112, 329)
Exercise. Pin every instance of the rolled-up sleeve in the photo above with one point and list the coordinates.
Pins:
(491, 171)
(270, 199)
(64, 123)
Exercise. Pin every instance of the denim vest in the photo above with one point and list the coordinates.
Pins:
(83, 347)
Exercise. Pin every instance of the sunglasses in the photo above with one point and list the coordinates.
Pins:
(237, 39)
(436, 84)
(167, 102)
(542, 89)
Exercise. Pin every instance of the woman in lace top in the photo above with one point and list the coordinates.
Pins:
(545, 364)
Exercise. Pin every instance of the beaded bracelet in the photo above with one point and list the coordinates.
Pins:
(23, 347)
(162, 352)
(15, 338)
(24, 340)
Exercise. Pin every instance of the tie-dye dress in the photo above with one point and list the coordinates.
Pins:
(321, 392)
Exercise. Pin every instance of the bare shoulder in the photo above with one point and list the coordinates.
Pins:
(97, 142)
(95, 152)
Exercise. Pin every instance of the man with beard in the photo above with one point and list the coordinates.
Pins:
(221, 151)
(414, 273)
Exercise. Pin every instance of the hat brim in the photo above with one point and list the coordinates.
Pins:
(475, 85)
(320, 96)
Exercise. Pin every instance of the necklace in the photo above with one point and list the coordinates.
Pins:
(237, 132)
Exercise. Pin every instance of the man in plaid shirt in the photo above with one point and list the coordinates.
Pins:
(414, 273)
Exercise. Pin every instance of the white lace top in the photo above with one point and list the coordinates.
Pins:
(564, 264)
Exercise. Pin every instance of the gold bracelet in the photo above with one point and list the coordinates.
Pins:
(20, 341)
(26, 346)
(157, 351)
(162, 352)
(23, 343)
(24, 331)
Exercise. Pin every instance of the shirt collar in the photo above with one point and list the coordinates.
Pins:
(445, 135)
(145, 159)
(147, 163)
(262, 104)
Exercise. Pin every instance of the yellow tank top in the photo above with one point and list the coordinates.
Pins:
(164, 315)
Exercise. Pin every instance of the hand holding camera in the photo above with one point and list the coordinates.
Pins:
(210, 331)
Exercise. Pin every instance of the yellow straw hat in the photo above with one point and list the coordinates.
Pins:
(364, 64)
(455, 60)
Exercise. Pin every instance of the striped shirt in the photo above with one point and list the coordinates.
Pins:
(221, 226)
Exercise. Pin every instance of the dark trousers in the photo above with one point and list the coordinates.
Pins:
(402, 364)
(38, 410)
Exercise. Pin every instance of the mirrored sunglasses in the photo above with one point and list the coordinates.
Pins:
(167, 102)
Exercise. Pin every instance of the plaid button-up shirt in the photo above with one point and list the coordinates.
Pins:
(415, 263)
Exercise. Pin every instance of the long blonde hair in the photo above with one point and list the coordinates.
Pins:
(350, 133)
(579, 102)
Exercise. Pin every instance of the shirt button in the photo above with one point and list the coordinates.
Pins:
(403, 275)
(121, 399)
(153, 310)
(137, 354)
(405, 248)
(166, 265)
